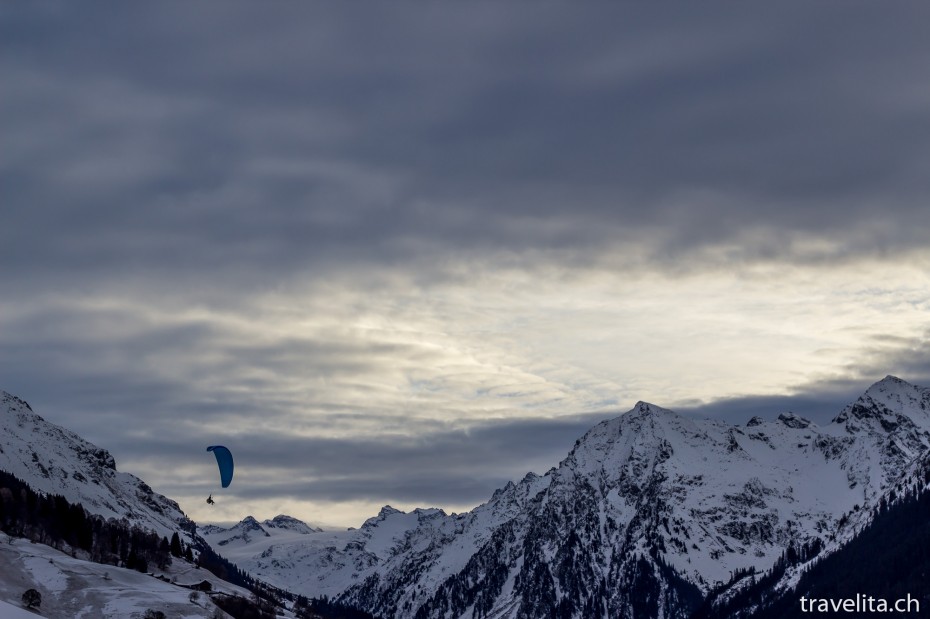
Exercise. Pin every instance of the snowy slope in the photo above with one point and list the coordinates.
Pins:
(311, 560)
(73, 589)
(328, 562)
(8, 611)
(640, 492)
(54, 460)
(850, 535)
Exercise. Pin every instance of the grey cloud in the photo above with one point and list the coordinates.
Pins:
(106, 364)
(904, 357)
(822, 397)
(469, 130)
(445, 466)
(436, 490)
(110, 371)
(436, 464)
(816, 406)
(204, 155)
(441, 467)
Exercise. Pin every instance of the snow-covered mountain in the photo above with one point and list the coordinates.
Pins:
(85, 569)
(312, 560)
(54, 460)
(644, 516)
(646, 513)
(249, 531)
(880, 550)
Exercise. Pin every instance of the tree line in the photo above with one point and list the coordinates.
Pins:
(54, 521)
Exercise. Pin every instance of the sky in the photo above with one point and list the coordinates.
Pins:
(402, 254)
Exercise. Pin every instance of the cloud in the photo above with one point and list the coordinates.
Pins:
(444, 466)
(366, 226)
(285, 144)
(450, 468)
(437, 395)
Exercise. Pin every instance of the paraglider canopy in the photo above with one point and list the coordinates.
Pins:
(224, 460)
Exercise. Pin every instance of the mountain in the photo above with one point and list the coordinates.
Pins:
(885, 555)
(250, 530)
(116, 562)
(56, 461)
(289, 523)
(315, 562)
(648, 513)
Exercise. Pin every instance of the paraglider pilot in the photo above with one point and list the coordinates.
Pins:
(224, 461)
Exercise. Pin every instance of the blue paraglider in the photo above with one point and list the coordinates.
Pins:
(224, 460)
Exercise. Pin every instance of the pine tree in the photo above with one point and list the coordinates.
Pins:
(32, 598)
(176, 545)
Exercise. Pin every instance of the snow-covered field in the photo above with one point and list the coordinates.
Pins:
(76, 589)
(8, 611)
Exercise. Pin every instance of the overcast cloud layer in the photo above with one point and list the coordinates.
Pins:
(403, 254)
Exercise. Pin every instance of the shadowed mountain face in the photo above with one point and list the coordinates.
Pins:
(646, 515)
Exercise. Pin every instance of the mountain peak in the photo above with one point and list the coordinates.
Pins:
(792, 420)
(10, 399)
(387, 510)
(283, 521)
(889, 378)
(891, 384)
(250, 522)
(648, 408)
(885, 404)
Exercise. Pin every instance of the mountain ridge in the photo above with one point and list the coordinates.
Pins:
(648, 491)
(647, 513)
(55, 460)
